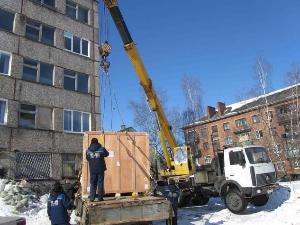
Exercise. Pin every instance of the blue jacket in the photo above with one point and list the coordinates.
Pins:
(57, 207)
(95, 156)
(171, 192)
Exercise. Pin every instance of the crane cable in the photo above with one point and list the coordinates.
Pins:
(104, 51)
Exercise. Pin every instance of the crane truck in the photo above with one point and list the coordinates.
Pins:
(238, 175)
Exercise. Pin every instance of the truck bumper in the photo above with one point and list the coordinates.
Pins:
(255, 191)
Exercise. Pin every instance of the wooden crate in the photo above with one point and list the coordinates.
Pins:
(128, 163)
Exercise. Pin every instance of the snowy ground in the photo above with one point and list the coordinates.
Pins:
(282, 208)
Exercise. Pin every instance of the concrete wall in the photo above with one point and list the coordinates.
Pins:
(48, 136)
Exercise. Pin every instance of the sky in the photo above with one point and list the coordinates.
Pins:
(215, 41)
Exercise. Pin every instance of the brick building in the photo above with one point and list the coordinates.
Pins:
(49, 91)
(274, 125)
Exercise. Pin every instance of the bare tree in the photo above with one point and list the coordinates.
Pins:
(192, 91)
(293, 77)
(262, 70)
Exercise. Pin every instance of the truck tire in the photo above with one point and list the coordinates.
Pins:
(199, 199)
(260, 200)
(235, 201)
(183, 199)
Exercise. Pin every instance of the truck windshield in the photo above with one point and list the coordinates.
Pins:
(257, 155)
(180, 156)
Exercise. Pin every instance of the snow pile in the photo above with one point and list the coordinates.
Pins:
(18, 199)
(30, 205)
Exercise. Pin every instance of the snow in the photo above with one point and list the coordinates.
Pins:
(283, 208)
(237, 105)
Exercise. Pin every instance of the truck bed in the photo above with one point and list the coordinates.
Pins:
(123, 210)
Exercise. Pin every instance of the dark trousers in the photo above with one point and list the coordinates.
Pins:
(97, 180)
(173, 220)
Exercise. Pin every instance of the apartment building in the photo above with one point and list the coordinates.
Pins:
(270, 120)
(49, 91)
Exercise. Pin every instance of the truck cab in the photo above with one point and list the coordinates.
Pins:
(249, 176)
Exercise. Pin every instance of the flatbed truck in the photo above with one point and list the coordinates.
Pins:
(123, 210)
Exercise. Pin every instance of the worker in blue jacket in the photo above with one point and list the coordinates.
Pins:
(171, 192)
(95, 156)
(58, 204)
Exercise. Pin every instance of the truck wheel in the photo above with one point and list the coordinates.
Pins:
(183, 199)
(199, 200)
(260, 200)
(235, 202)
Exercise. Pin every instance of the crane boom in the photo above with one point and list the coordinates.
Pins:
(140, 69)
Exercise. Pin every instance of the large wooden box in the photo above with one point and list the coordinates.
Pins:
(128, 163)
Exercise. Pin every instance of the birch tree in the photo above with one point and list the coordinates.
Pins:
(192, 92)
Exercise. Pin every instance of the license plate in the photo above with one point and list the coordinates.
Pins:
(269, 191)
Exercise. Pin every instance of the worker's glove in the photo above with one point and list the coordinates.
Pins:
(97, 155)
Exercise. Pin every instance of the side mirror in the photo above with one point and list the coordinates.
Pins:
(242, 159)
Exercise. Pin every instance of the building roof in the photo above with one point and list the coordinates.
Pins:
(273, 97)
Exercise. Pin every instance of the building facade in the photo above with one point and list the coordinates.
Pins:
(49, 91)
(271, 121)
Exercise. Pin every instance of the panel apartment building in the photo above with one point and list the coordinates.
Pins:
(271, 121)
(49, 91)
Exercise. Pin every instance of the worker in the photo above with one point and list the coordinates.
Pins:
(70, 188)
(58, 206)
(95, 156)
(172, 194)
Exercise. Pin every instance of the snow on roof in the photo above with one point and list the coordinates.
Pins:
(237, 105)
(231, 108)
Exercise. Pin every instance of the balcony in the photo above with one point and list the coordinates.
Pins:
(292, 154)
(290, 135)
(286, 118)
(242, 129)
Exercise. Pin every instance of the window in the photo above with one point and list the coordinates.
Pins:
(37, 72)
(77, 12)
(3, 111)
(39, 32)
(279, 166)
(228, 140)
(255, 119)
(33, 165)
(76, 44)
(27, 116)
(5, 62)
(296, 164)
(259, 134)
(214, 129)
(269, 115)
(226, 126)
(6, 20)
(216, 145)
(75, 121)
(192, 137)
(76, 81)
(203, 132)
(69, 165)
(241, 122)
(207, 159)
(205, 145)
(236, 158)
(50, 3)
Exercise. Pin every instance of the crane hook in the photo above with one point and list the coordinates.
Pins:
(104, 51)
